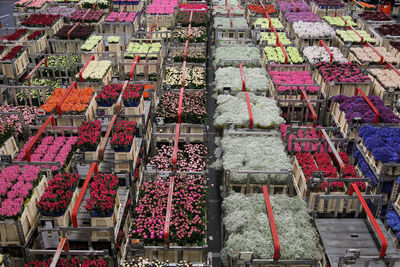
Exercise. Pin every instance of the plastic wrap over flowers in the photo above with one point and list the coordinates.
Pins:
(265, 153)
(356, 106)
(233, 109)
(247, 225)
(384, 143)
(256, 79)
(226, 56)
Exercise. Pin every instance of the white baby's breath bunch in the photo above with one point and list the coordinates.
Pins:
(247, 226)
(224, 22)
(256, 79)
(255, 152)
(227, 56)
(233, 109)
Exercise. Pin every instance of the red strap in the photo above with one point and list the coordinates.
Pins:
(284, 52)
(249, 109)
(183, 73)
(185, 50)
(108, 132)
(297, 8)
(358, 90)
(339, 160)
(242, 76)
(175, 151)
(354, 188)
(93, 168)
(340, 16)
(180, 104)
(84, 16)
(169, 208)
(118, 105)
(269, 19)
(271, 223)
(359, 35)
(304, 96)
(28, 77)
(34, 140)
(390, 65)
(322, 43)
(69, 90)
(276, 35)
(190, 18)
(376, 52)
(72, 29)
(137, 60)
(84, 67)
(63, 245)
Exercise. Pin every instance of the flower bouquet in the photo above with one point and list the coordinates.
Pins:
(109, 95)
(269, 38)
(103, 195)
(237, 23)
(89, 136)
(68, 262)
(276, 55)
(374, 17)
(341, 78)
(350, 37)
(329, 4)
(102, 4)
(16, 188)
(28, 114)
(231, 56)
(194, 77)
(79, 32)
(121, 17)
(92, 16)
(51, 149)
(16, 58)
(385, 80)
(316, 54)
(304, 16)
(284, 82)
(123, 141)
(381, 146)
(288, 6)
(224, 10)
(91, 43)
(153, 263)
(193, 55)
(313, 30)
(97, 71)
(258, 9)
(263, 23)
(58, 195)
(339, 22)
(194, 109)
(188, 216)
(63, 11)
(357, 107)
(199, 19)
(144, 50)
(133, 95)
(247, 226)
(40, 43)
(230, 79)
(76, 102)
(18, 35)
(233, 110)
(190, 158)
(60, 63)
(41, 20)
(197, 35)
(367, 56)
(255, 152)
(301, 134)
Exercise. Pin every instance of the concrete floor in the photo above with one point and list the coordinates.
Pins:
(6, 13)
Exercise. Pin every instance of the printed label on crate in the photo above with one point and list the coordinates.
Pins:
(5, 158)
(160, 121)
(151, 168)
(101, 112)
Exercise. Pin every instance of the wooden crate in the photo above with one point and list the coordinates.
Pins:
(257, 188)
(106, 222)
(127, 155)
(149, 130)
(172, 256)
(89, 113)
(339, 117)
(139, 110)
(167, 21)
(56, 27)
(300, 184)
(38, 46)
(333, 89)
(28, 219)
(379, 90)
(302, 43)
(93, 155)
(10, 147)
(321, 12)
(153, 66)
(66, 219)
(378, 165)
(20, 64)
(116, 48)
(99, 48)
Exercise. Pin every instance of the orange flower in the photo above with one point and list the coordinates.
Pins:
(76, 101)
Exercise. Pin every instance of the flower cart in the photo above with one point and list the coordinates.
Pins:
(361, 239)
(349, 113)
(277, 237)
(311, 33)
(285, 6)
(38, 42)
(193, 114)
(232, 55)
(198, 18)
(350, 38)
(193, 75)
(386, 84)
(151, 52)
(177, 238)
(348, 77)
(323, 53)
(23, 187)
(15, 62)
(231, 29)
